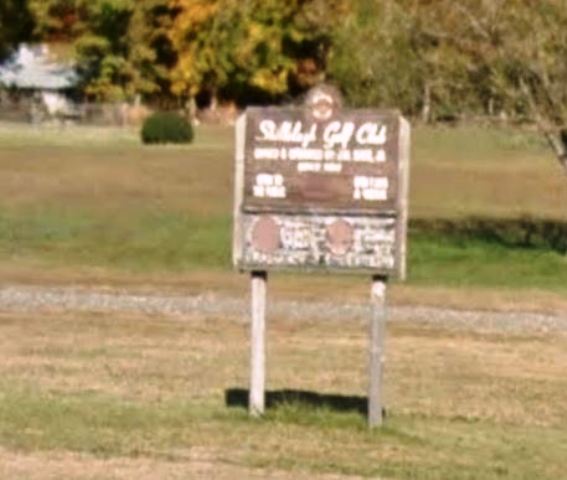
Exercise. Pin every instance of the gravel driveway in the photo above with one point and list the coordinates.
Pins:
(32, 299)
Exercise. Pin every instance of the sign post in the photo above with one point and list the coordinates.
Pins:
(376, 348)
(321, 188)
(258, 344)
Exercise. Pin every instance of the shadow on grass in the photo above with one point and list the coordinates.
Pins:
(238, 397)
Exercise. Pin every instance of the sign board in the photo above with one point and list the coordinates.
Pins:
(319, 187)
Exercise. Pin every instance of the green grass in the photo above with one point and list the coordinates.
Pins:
(139, 241)
(410, 447)
(90, 197)
(460, 405)
(157, 241)
(457, 263)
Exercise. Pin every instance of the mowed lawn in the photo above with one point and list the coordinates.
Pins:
(86, 203)
(90, 396)
(121, 396)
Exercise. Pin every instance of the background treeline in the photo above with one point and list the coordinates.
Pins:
(438, 59)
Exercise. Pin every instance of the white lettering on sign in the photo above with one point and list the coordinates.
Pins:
(269, 186)
(303, 167)
(298, 154)
(287, 132)
(322, 150)
(296, 236)
(312, 154)
(333, 167)
(267, 153)
(338, 133)
(371, 134)
(363, 155)
(371, 189)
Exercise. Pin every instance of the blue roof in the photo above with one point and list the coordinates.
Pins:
(33, 68)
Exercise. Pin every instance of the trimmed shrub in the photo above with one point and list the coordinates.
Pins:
(166, 127)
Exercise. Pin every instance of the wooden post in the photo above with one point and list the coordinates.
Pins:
(256, 401)
(377, 331)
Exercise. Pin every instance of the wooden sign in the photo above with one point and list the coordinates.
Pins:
(321, 188)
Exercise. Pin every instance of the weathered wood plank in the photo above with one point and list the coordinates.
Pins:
(377, 354)
(237, 227)
(403, 198)
(258, 343)
(305, 242)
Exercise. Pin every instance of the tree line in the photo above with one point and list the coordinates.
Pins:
(433, 59)
(232, 50)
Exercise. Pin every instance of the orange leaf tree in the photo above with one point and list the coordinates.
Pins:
(253, 49)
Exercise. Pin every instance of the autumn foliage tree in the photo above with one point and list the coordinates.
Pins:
(434, 59)
(58, 20)
(124, 51)
(253, 49)
(122, 46)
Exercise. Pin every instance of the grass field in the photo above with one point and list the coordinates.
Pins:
(96, 200)
(80, 394)
(118, 396)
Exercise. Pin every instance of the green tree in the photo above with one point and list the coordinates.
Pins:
(102, 50)
(122, 46)
(373, 59)
(520, 47)
(150, 51)
(58, 20)
(472, 56)
(397, 54)
(124, 49)
(256, 49)
(16, 24)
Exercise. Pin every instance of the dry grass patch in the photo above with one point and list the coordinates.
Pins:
(488, 172)
(106, 175)
(133, 391)
(131, 357)
(196, 465)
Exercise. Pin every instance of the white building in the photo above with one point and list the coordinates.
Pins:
(34, 72)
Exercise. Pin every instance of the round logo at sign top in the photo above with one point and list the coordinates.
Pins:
(266, 235)
(323, 101)
(340, 237)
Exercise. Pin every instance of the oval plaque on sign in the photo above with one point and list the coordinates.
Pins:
(266, 235)
(339, 237)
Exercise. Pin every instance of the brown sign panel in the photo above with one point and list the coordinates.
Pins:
(294, 163)
(311, 182)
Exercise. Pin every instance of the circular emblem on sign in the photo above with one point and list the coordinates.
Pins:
(340, 237)
(266, 235)
(323, 101)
